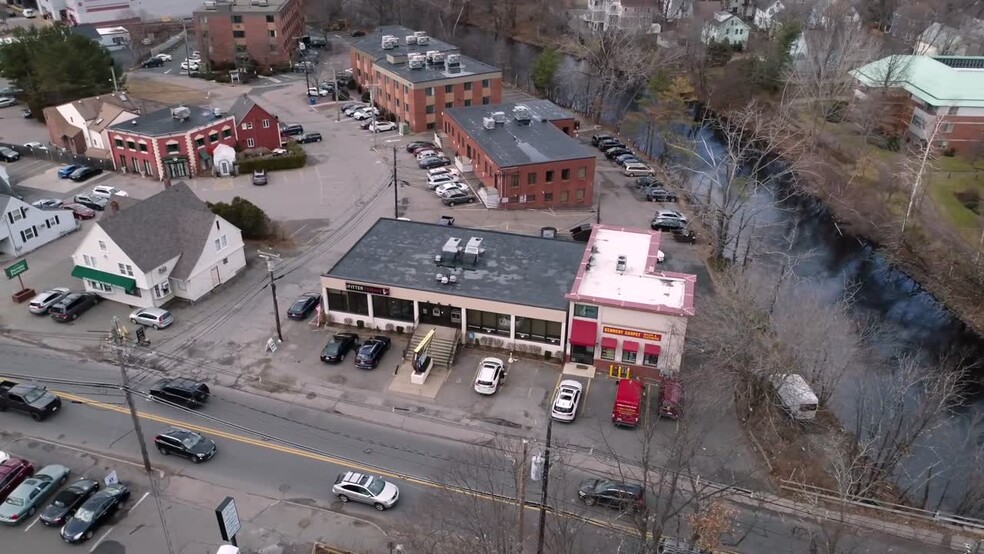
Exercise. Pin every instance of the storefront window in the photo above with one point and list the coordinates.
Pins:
(538, 330)
(488, 322)
(392, 308)
(608, 354)
(650, 359)
(629, 357)
(348, 301)
(584, 310)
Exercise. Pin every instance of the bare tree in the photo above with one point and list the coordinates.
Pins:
(919, 162)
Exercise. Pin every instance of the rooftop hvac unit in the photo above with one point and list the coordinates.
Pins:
(450, 250)
(419, 34)
(259, 2)
(181, 112)
(499, 117)
(422, 37)
(473, 249)
(411, 39)
(431, 54)
(488, 123)
(389, 42)
(621, 264)
(453, 59)
(417, 61)
(209, 4)
(217, 112)
(522, 114)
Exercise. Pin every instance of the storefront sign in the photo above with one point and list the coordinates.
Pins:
(16, 269)
(355, 287)
(632, 334)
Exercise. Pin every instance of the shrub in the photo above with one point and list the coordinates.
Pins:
(222, 78)
(295, 158)
(245, 215)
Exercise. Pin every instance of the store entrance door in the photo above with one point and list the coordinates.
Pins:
(582, 354)
(439, 314)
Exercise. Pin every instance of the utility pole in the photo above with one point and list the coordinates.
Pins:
(120, 341)
(334, 87)
(396, 187)
(521, 467)
(543, 493)
(116, 85)
(271, 261)
(372, 114)
(184, 27)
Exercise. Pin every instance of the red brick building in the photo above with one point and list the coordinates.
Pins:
(265, 31)
(416, 78)
(524, 152)
(170, 143)
(255, 127)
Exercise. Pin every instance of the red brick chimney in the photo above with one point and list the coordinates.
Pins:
(114, 206)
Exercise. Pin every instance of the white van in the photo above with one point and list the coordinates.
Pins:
(796, 396)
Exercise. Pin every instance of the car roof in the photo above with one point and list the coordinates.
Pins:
(571, 384)
(345, 335)
(154, 311)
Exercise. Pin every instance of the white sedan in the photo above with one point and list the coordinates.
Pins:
(6, 101)
(442, 171)
(491, 372)
(438, 180)
(107, 191)
(35, 145)
(381, 126)
(365, 113)
(427, 153)
(190, 65)
(565, 402)
(164, 57)
(671, 214)
(448, 189)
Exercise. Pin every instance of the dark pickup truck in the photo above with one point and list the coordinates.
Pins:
(33, 400)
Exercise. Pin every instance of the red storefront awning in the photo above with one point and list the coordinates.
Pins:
(651, 350)
(583, 333)
(630, 346)
(608, 342)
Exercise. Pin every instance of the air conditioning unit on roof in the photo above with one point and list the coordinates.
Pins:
(488, 123)
(389, 42)
(422, 37)
(411, 39)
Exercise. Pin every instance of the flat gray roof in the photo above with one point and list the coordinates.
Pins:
(162, 123)
(372, 44)
(517, 269)
(512, 144)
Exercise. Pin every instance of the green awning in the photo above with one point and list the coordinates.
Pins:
(125, 283)
(203, 154)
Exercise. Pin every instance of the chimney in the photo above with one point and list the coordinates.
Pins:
(167, 183)
(115, 207)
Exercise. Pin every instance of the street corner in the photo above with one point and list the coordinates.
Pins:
(292, 527)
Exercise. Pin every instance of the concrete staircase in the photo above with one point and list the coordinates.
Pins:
(442, 347)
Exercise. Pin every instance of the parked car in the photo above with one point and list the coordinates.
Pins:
(84, 174)
(625, 497)
(605, 144)
(316, 91)
(656, 194)
(435, 181)
(443, 171)
(647, 181)
(382, 126)
(671, 399)
(671, 214)
(371, 352)
(6, 102)
(292, 130)
(67, 501)
(196, 55)
(190, 65)
(66, 171)
(181, 390)
(637, 169)
(595, 139)
(564, 407)
(449, 189)
(339, 345)
(13, 471)
(309, 137)
(433, 161)
(28, 13)
(615, 152)
(427, 153)
(183, 442)
(628, 402)
(365, 113)
(164, 57)
(72, 306)
(8, 155)
(26, 113)
(260, 177)
(28, 398)
(94, 512)
(304, 305)
(152, 62)
(623, 159)
(24, 501)
(304, 66)
(420, 145)
(458, 197)
(40, 303)
(35, 145)
(92, 201)
(491, 373)
(158, 318)
(47, 204)
(666, 224)
(367, 489)
(350, 109)
(108, 191)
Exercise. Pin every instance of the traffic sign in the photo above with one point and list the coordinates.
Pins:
(16, 269)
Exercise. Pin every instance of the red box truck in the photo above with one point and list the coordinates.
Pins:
(628, 402)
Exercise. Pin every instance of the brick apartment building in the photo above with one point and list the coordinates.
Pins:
(525, 152)
(265, 31)
(950, 88)
(170, 143)
(416, 78)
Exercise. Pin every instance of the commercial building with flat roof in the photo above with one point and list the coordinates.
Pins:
(248, 32)
(627, 316)
(524, 152)
(415, 77)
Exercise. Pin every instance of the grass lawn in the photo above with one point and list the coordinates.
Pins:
(170, 94)
(944, 189)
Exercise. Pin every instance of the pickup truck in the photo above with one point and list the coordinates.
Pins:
(33, 400)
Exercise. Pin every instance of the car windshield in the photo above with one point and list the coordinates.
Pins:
(191, 441)
(333, 347)
(15, 501)
(33, 395)
(84, 515)
(376, 486)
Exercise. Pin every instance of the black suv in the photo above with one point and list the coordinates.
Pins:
(153, 62)
(292, 130)
(185, 443)
(188, 392)
(622, 496)
(656, 194)
(338, 346)
(595, 139)
(72, 306)
(371, 352)
(309, 137)
(304, 305)
(605, 144)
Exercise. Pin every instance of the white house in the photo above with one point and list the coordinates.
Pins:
(825, 14)
(113, 38)
(167, 246)
(26, 228)
(624, 15)
(766, 18)
(726, 28)
(80, 125)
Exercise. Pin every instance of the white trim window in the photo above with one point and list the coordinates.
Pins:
(102, 245)
(96, 285)
(250, 143)
(247, 125)
(126, 269)
(89, 260)
(221, 243)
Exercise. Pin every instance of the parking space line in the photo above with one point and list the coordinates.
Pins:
(28, 528)
(102, 538)
(134, 507)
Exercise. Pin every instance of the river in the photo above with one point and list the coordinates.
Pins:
(909, 318)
